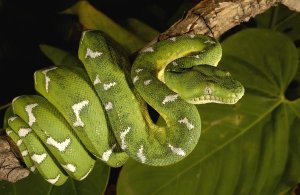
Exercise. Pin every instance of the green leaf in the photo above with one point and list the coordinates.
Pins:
(59, 56)
(95, 183)
(282, 19)
(251, 147)
(141, 29)
(91, 18)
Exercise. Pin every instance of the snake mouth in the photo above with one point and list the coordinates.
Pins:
(204, 99)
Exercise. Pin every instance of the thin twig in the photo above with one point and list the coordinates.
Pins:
(5, 106)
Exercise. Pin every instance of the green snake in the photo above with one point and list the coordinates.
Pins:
(100, 111)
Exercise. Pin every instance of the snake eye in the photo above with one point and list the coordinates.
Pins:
(208, 90)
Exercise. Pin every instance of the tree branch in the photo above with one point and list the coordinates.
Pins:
(292, 4)
(209, 17)
(215, 17)
(11, 166)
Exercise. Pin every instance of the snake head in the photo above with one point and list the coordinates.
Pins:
(205, 84)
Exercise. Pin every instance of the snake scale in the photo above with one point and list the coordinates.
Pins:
(100, 111)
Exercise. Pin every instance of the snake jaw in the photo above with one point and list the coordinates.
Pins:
(211, 98)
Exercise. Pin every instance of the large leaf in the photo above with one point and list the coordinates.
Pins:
(95, 183)
(282, 19)
(248, 148)
(91, 18)
(140, 29)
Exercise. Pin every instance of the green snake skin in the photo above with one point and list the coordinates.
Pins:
(100, 111)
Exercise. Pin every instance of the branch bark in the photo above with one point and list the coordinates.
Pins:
(215, 17)
(209, 17)
(11, 167)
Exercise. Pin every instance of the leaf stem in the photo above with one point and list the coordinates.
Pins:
(5, 106)
(274, 18)
(285, 20)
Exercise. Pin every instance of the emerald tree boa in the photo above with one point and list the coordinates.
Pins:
(99, 111)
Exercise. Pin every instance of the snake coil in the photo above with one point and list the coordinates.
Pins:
(100, 112)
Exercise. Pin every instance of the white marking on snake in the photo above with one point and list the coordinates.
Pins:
(108, 86)
(54, 180)
(23, 132)
(192, 36)
(32, 169)
(97, 80)
(83, 35)
(196, 56)
(209, 41)
(13, 101)
(187, 123)
(122, 137)
(108, 106)
(69, 167)
(38, 158)
(92, 54)
(174, 63)
(173, 39)
(141, 155)
(61, 146)
(107, 153)
(8, 132)
(148, 49)
(12, 118)
(34, 76)
(29, 109)
(19, 142)
(25, 153)
(47, 78)
(138, 70)
(178, 151)
(82, 178)
(76, 109)
(147, 82)
(135, 79)
(170, 98)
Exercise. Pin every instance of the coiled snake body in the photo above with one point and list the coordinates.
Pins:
(99, 112)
